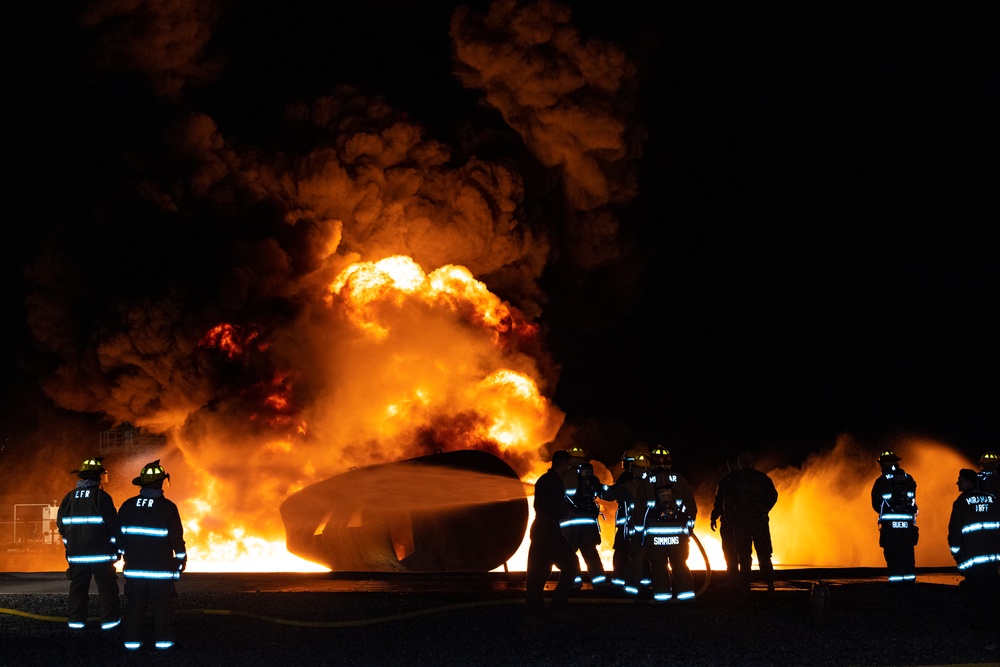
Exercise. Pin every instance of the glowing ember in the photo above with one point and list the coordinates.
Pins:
(230, 339)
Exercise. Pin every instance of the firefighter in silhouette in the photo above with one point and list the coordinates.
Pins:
(974, 538)
(88, 524)
(988, 478)
(633, 493)
(548, 544)
(668, 523)
(620, 545)
(750, 495)
(894, 497)
(724, 526)
(152, 543)
(581, 526)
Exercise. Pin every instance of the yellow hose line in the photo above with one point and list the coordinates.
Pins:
(381, 619)
(347, 624)
(37, 617)
(285, 621)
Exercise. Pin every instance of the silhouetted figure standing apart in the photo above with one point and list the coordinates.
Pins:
(974, 538)
(894, 497)
(750, 495)
(725, 526)
(548, 544)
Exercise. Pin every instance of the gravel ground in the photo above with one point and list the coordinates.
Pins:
(865, 624)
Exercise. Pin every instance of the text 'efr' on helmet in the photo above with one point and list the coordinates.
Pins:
(888, 456)
(151, 473)
(94, 464)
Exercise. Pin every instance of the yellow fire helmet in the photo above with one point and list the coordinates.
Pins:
(151, 472)
(90, 465)
(577, 451)
(629, 455)
(888, 456)
(661, 456)
(641, 462)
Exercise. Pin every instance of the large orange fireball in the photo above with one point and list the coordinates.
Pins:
(406, 362)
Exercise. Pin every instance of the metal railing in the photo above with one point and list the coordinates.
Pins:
(36, 529)
(128, 438)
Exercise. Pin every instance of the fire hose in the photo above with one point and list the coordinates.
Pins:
(708, 566)
(377, 619)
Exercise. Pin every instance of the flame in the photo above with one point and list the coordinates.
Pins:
(233, 340)
(365, 287)
(436, 361)
(823, 517)
(398, 362)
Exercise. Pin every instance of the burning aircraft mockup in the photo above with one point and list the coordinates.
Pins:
(461, 511)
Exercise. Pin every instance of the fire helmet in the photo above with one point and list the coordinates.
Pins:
(151, 473)
(988, 461)
(641, 462)
(629, 455)
(90, 465)
(661, 456)
(577, 451)
(888, 456)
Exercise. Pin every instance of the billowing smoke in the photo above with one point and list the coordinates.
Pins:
(164, 41)
(331, 299)
(570, 100)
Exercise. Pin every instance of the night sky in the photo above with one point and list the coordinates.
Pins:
(811, 249)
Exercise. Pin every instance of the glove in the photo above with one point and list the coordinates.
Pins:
(181, 564)
(713, 525)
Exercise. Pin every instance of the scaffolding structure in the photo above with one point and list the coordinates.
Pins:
(128, 439)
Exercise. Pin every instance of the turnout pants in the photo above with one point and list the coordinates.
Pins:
(585, 540)
(156, 594)
(620, 558)
(754, 535)
(728, 538)
(548, 549)
(982, 587)
(108, 603)
(897, 547)
(675, 581)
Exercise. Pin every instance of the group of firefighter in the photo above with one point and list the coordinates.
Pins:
(973, 530)
(654, 524)
(146, 531)
(656, 512)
